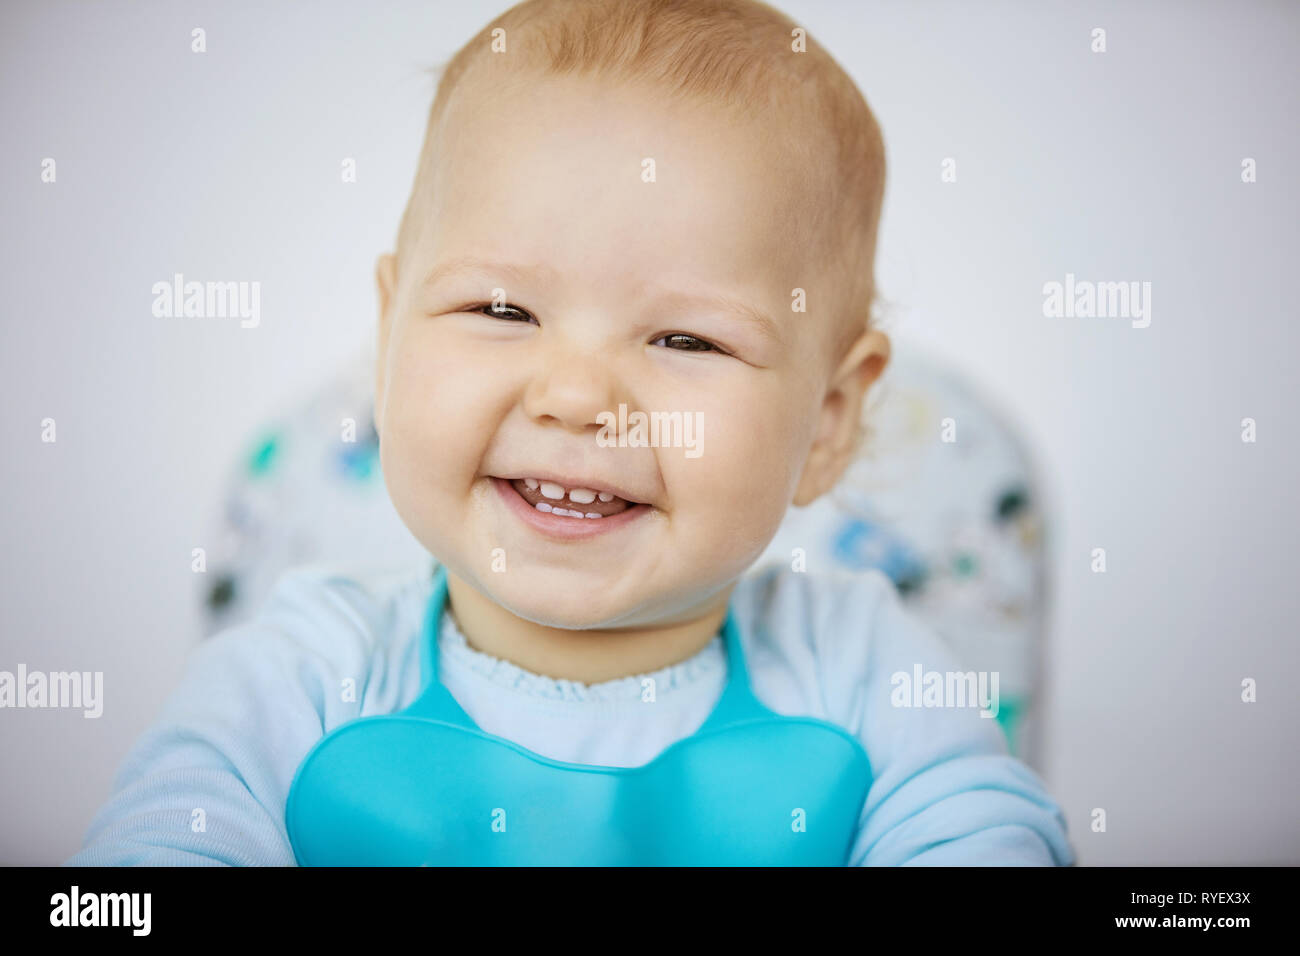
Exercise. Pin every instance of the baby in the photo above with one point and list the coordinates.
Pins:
(625, 327)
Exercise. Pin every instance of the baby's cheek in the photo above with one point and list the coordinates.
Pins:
(753, 455)
(432, 405)
(737, 499)
(415, 454)
(762, 508)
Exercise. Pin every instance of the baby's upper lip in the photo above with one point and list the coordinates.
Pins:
(569, 481)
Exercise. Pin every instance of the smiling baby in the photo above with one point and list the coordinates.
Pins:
(626, 325)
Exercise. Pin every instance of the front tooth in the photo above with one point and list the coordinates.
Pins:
(582, 496)
(543, 506)
(592, 514)
(531, 483)
(606, 496)
(552, 490)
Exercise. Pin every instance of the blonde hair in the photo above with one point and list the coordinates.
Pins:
(736, 53)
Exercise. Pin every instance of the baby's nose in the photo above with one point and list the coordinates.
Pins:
(572, 387)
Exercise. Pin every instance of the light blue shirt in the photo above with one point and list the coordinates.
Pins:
(207, 783)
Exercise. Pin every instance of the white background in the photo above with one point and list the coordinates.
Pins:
(1120, 166)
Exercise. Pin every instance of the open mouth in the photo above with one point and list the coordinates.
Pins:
(587, 504)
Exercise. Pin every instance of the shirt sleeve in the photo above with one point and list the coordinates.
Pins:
(207, 782)
(945, 790)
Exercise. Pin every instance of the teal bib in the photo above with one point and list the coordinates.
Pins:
(426, 786)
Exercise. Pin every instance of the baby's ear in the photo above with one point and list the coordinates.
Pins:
(386, 284)
(840, 418)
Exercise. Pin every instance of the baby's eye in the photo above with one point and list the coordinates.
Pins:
(507, 312)
(681, 342)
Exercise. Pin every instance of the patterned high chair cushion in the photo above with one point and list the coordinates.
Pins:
(943, 502)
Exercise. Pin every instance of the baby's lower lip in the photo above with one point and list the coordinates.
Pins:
(562, 527)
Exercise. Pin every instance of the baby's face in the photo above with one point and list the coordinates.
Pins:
(615, 291)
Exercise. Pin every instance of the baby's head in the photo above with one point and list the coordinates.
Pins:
(654, 206)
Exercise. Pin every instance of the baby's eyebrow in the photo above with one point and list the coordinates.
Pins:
(680, 299)
(721, 301)
(468, 265)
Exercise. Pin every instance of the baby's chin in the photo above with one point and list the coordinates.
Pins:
(552, 600)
